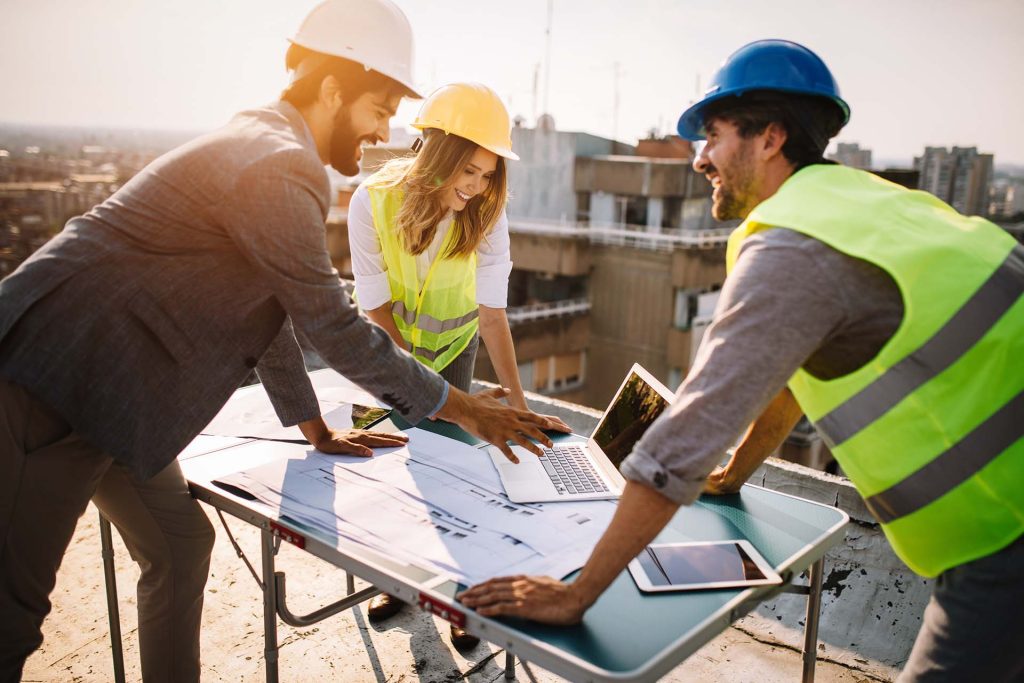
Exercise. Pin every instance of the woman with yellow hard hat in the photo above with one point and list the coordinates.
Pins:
(429, 241)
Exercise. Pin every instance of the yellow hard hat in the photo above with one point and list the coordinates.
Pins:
(472, 111)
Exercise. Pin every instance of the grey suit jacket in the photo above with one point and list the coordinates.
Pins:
(138, 321)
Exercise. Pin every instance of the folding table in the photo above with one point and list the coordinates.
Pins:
(625, 636)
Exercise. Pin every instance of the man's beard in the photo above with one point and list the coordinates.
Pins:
(730, 205)
(344, 144)
(735, 201)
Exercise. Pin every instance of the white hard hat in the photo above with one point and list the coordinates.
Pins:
(374, 33)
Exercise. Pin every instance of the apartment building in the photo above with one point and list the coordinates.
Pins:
(959, 176)
(850, 154)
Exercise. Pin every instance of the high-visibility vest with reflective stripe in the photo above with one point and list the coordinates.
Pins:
(439, 318)
(930, 430)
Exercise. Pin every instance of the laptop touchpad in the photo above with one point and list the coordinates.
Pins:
(511, 472)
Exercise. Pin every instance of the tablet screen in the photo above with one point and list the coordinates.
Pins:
(698, 564)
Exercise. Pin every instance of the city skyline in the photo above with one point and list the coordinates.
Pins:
(916, 74)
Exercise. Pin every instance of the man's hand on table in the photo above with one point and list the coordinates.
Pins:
(347, 441)
(721, 482)
(484, 415)
(641, 514)
(540, 598)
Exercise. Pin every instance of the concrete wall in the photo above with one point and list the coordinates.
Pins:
(550, 254)
(638, 176)
(541, 182)
(540, 339)
(698, 268)
(871, 602)
(631, 312)
(679, 349)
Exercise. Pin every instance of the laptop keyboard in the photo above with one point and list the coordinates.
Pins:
(570, 470)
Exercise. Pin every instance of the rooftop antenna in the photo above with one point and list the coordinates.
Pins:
(617, 71)
(536, 90)
(547, 55)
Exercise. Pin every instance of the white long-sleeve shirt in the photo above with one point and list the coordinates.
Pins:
(494, 261)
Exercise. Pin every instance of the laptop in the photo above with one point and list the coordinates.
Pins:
(578, 470)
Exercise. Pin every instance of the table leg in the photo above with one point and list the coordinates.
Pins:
(510, 666)
(811, 621)
(113, 614)
(269, 605)
(350, 583)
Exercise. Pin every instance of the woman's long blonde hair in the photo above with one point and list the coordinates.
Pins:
(425, 177)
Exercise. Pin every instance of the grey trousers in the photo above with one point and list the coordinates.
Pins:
(459, 373)
(48, 473)
(973, 626)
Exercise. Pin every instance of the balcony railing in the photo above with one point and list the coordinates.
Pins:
(638, 236)
(523, 314)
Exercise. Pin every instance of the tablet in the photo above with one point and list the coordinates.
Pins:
(701, 565)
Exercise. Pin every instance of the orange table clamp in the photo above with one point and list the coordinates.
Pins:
(443, 610)
(287, 534)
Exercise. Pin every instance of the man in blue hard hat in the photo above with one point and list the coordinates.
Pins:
(893, 322)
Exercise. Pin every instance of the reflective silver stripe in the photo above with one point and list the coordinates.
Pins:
(431, 355)
(398, 308)
(429, 323)
(953, 467)
(959, 334)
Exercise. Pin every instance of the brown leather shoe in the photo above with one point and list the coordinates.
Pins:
(383, 606)
(463, 642)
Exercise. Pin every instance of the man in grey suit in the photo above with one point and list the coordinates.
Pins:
(123, 337)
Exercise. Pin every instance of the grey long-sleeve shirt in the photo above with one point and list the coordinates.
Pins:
(790, 302)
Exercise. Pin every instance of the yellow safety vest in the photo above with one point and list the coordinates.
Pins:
(930, 430)
(439, 318)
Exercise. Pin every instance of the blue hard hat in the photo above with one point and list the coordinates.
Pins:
(774, 65)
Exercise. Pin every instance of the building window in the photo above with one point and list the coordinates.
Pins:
(582, 207)
(635, 210)
(692, 305)
(551, 374)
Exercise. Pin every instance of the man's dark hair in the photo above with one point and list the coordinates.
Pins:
(809, 121)
(354, 78)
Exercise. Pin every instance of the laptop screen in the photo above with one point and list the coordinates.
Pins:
(635, 407)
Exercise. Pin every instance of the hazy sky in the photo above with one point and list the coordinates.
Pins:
(915, 72)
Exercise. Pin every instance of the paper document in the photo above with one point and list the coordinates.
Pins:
(435, 503)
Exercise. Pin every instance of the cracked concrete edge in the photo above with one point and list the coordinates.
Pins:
(883, 675)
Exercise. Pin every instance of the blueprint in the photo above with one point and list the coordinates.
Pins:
(436, 503)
